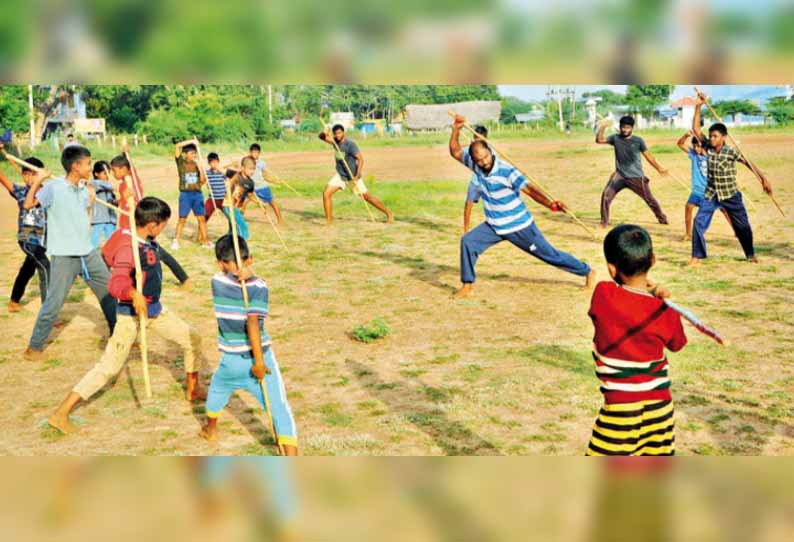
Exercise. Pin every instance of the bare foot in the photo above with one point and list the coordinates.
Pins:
(465, 291)
(59, 324)
(686, 238)
(390, 218)
(590, 280)
(33, 355)
(693, 263)
(13, 306)
(62, 424)
(208, 434)
(754, 259)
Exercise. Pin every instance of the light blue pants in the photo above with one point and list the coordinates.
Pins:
(234, 373)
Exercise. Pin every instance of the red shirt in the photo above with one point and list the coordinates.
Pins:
(124, 220)
(632, 330)
(117, 253)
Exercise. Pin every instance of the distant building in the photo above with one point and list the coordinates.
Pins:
(345, 118)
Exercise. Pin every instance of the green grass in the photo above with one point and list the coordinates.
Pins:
(372, 331)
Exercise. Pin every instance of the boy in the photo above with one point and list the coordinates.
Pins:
(350, 154)
(122, 170)
(191, 179)
(473, 192)
(247, 356)
(242, 186)
(697, 155)
(217, 185)
(722, 192)
(103, 220)
(67, 202)
(261, 179)
(31, 234)
(628, 173)
(507, 218)
(632, 329)
(151, 217)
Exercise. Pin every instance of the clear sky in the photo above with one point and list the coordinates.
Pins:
(717, 92)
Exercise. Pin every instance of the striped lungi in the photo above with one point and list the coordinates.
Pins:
(639, 428)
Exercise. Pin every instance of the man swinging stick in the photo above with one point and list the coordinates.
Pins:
(506, 215)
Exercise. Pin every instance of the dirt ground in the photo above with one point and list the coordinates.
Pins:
(507, 371)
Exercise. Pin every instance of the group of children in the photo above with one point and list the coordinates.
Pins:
(59, 219)
(633, 325)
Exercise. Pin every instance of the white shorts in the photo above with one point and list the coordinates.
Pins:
(337, 182)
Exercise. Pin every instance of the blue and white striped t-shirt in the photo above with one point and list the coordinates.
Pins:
(217, 184)
(227, 299)
(500, 190)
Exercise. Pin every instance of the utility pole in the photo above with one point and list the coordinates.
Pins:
(32, 117)
(270, 103)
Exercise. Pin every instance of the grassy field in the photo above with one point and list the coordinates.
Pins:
(507, 371)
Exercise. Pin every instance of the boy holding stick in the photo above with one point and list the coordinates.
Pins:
(191, 200)
(31, 233)
(633, 326)
(262, 180)
(151, 218)
(247, 356)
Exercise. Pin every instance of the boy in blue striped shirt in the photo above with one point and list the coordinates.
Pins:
(506, 217)
(217, 185)
(247, 355)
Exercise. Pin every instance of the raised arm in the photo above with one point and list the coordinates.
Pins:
(324, 137)
(455, 150)
(696, 117)
(682, 141)
(602, 126)
(13, 164)
(178, 146)
(30, 200)
(6, 182)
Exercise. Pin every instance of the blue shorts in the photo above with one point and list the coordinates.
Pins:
(264, 194)
(234, 373)
(191, 201)
(695, 199)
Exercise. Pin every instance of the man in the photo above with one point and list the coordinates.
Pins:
(473, 192)
(628, 168)
(506, 216)
(348, 153)
(722, 191)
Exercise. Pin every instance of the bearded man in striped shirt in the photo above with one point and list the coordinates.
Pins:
(506, 217)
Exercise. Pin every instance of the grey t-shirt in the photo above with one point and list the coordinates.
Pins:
(349, 149)
(628, 157)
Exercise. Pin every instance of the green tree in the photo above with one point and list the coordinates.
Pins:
(731, 107)
(14, 108)
(644, 98)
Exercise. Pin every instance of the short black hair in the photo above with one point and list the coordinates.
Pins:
(338, 127)
(120, 161)
(72, 154)
(224, 249)
(719, 127)
(477, 143)
(626, 120)
(482, 130)
(33, 161)
(213, 156)
(696, 141)
(189, 147)
(99, 167)
(254, 147)
(629, 249)
(151, 209)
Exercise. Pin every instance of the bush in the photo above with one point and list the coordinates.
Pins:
(311, 124)
(374, 330)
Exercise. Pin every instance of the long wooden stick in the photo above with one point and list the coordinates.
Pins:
(526, 175)
(139, 286)
(695, 321)
(113, 207)
(202, 171)
(738, 148)
(352, 177)
(267, 215)
(31, 167)
(279, 180)
(239, 261)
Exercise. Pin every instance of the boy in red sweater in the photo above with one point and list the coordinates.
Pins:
(632, 329)
(151, 218)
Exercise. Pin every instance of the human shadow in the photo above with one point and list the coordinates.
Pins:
(410, 400)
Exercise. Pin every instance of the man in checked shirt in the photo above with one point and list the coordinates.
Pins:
(721, 189)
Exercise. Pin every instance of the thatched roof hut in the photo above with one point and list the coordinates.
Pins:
(436, 117)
